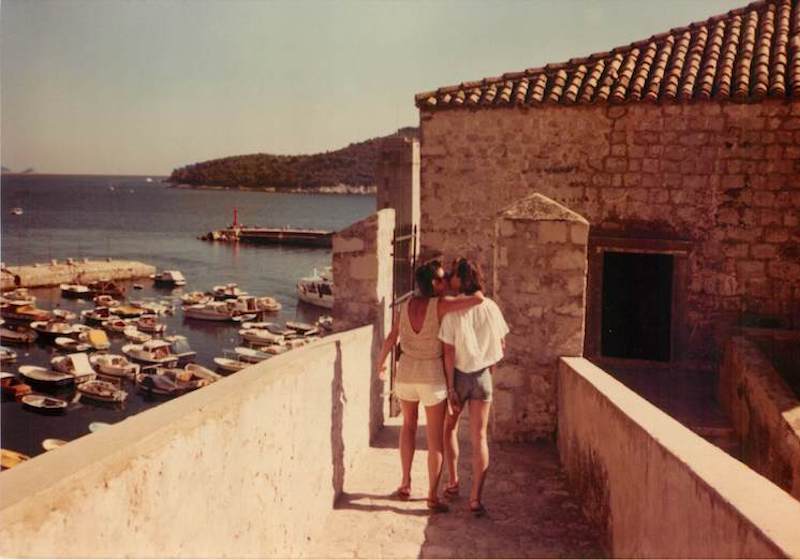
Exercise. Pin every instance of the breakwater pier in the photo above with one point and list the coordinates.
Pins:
(70, 270)
(272, 236)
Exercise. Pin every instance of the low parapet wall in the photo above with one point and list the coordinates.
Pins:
(247, 467)
(658, 489)
(764, 411)
(53, 274)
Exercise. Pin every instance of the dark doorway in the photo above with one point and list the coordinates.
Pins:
(637, 306)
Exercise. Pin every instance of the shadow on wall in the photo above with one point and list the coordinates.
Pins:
(338, 400)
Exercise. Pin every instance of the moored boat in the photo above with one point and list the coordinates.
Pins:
(114, 365)
(179, 346)
(105, 300)
(12, 387)
(23, 312)
(227, 291)
(76, 364)
(261, 336)
(7, 355)
(97, 315)
(317, 289)
(44, 377)
(172, 278)
(128, 311)
(44, 404)
(50, 330)
(194, 298)
(135, 335)
(95, 338)
(71, 345)
(230, 365)
(101, 391)
(301, 328)
(17, 334)
(52, 443)
(250, 355)
(115, 326)
(155, 352)
(9, 458)
(202, 372)
(64, 315)
(75, 291)
(106, 288)
(150, 324)
(217, 311)
(20, 296)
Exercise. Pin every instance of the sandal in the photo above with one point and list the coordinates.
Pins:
(437, 506)
(476, 508)
(451, 490)
(403, 492)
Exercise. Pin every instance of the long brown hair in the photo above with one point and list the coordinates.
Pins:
(469, 273)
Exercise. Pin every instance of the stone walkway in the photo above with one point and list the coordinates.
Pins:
(531, 512)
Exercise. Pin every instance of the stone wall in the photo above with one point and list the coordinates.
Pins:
(248, 467)
(540, 284)
(765, 413)
(725, 177)
(362, 273)
(658, 489)
(67, 272)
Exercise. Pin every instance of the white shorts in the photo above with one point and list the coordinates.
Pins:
(425, 393)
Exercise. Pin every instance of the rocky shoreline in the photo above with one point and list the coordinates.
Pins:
(334, 189)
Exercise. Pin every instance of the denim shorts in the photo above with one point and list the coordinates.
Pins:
(476, 385)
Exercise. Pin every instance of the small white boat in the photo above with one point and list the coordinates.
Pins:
(194, 298)
(230, 365)
(217, 311)
(7, 355)
(115, 326)
(114, 365)
(227, 291)
(170, 278)
(150, 324)
(149, 180)
(250, 355)
(64, 315)
(76, 364)
(260, 325)
(317, 289)
(75, 291)
(50, 330)
(105, 300)
(71, 345)
(95, 338)
(44, 404)
(102, 391)
(261, 336)
(202, 372)
(151, 352)
(9, 458)
(52, 443)
(19, 296)
(253, 304)
(97, 426)
(128, 311)
(16, 211)
(135, 335)
(97, 315)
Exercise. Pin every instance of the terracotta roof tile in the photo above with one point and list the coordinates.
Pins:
(748, 53)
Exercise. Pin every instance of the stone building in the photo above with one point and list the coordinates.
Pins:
(682, 151)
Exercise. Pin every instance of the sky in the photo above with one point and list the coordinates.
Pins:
(146, 86)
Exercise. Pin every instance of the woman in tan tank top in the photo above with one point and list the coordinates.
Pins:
(420, 372)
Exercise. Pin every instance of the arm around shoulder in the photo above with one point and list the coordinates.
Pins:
(449, 304)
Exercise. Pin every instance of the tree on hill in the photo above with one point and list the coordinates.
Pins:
(352, 166)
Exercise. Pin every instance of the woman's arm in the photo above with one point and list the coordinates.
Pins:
(449, 304)
(388, 344)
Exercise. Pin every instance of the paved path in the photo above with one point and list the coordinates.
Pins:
(531, 512)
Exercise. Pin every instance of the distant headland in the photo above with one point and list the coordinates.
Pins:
(349, 170)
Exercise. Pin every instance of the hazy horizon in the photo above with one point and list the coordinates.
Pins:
(140, 88)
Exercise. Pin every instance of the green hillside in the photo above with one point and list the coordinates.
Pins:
(351, 166)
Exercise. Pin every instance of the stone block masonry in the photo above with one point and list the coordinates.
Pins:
(539, 278)
(723, 176)
(56, 272)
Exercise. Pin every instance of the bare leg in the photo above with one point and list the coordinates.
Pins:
(408, 437)
(435, 426)
(451, 446)
(478, 424)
